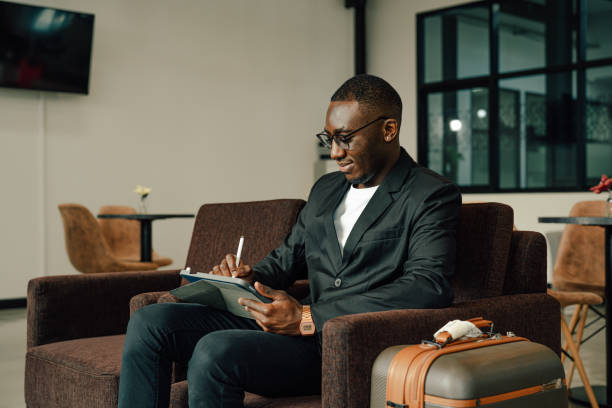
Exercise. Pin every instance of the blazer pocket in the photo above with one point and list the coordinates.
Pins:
(392, 233)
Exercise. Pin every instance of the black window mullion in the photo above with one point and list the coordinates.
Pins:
(494, 96)
(556, 70)
(422, 148)
(581, 94)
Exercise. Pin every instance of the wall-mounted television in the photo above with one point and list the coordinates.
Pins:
(44, 48)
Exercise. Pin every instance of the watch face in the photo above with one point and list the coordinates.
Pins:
(307, 328)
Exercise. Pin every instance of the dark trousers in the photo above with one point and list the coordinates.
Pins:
(225, 356)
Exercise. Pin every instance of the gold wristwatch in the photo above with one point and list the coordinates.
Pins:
(307, 327)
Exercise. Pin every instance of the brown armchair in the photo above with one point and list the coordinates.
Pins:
(76, 323)
(501, 275)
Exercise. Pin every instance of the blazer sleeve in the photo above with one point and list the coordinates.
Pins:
(287, 263)
(423, 280)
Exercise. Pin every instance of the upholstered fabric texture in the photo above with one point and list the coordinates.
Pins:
(526, 261)
(66, 307)
(483, 242)
(66, 313)
(144, 299)
(74, 373)
(264, 224)
(501, 275)
(86, 246)
(123, 236)
(580, 257)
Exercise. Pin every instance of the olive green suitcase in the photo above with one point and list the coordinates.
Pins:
(495, 372)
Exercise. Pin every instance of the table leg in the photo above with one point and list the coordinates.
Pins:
(608, 261)
(145, 240)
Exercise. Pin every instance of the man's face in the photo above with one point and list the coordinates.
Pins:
(364, 159)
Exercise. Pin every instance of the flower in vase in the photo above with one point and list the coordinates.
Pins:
(604, 185)
(142, 191)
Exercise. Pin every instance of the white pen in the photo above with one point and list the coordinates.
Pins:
(239, 252)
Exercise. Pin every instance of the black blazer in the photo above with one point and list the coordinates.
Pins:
(399, 255)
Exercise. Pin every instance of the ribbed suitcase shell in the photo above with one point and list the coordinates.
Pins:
(461, 379)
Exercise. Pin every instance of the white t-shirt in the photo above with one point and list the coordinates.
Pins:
(349, 210)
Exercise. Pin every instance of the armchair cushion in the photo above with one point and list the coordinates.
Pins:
(82, 372)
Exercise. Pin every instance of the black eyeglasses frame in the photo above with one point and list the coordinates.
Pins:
(343, 141)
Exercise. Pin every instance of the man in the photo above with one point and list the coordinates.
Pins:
(377, 235)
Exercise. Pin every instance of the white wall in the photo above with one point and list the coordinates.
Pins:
(392, 55)
(202, 100)
(205, 101)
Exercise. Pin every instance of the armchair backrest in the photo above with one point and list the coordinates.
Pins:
(218, 228)
(483, 243)
(526, 271)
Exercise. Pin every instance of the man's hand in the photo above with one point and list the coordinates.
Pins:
(228, 267)
(282, 316)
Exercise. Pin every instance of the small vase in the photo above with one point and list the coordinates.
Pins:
(142, 206)
(609, 204)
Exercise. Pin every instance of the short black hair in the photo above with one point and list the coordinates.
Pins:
(374, 94)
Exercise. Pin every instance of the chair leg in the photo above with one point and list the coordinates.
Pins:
(572, 326)
(578, 340)
(574, 351)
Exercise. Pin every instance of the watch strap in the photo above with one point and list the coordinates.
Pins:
(307, 327)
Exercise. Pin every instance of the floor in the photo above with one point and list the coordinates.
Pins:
(12, 352)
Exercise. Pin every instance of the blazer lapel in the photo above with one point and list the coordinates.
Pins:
(331, 243)
(378, 203)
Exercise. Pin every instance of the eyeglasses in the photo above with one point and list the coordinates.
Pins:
(343, 141)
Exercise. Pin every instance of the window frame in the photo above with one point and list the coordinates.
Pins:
(491, 83)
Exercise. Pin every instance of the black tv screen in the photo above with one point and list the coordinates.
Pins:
(45, 48)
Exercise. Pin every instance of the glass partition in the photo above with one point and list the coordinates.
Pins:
(598, 123)
(457, 44)
(458, 135)
(516, 95)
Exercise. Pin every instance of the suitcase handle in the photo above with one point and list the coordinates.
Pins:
(445, 337)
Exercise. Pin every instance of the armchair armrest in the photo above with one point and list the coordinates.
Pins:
(74, 306)
(144, 299)
(351, 343)
(149, 298)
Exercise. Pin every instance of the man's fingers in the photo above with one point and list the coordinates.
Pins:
(259, 307)
(243, 270)
(224, 267)
(261, 318)
(221, 270)
(230, 260)
(255, 309)
(269, 292)
(262, 326)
